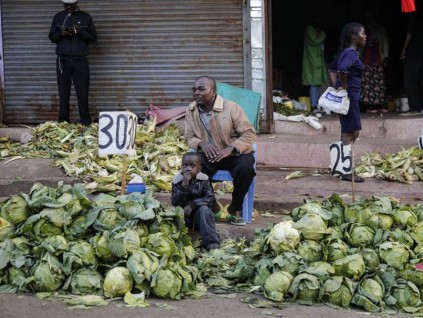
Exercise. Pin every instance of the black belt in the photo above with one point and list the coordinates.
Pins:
(72, 59)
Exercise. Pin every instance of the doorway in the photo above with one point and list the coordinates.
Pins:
(289, 19)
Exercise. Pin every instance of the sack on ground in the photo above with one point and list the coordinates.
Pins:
(335, 101)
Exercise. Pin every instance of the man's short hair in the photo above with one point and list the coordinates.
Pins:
(211, 79)
(69, 1)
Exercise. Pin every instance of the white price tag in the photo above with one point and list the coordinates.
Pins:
(116, 133)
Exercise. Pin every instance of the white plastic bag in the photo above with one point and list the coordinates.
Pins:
(335, 101)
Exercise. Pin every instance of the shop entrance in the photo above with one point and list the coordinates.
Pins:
(289, 19)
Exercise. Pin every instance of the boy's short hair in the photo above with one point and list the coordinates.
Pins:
(192, 154)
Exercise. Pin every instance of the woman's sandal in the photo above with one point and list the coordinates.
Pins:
(348, 177)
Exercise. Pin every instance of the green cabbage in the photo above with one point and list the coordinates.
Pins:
(7, 229)
(385, 221)
(417, 233)
(394, 254)
(55, 245)
(370, 257)
(15, 210)
(86, 281)
(18, 277)
(418, 251)
(338, 291)
(142, 230)
(335, 250)
(335, 234)
(405, 216)
(288, 262)
(108, 219)
(124, 242)
(79, 254)
(357, 214)
(351, 266)
(310, 207)
(311, 227)
(306, 289)
(161, 244)
(99, 242)
(130, 209)
(406, 293)
(44, 228)
(48, 274)
(167, 284)
(77, 228)
(277, 285)
(118, 282)
(411, 273)
(142, 264)
(370, 294)
(310, 251)
(283, 237)
(320, 269)
(401, 236)
(358, 234)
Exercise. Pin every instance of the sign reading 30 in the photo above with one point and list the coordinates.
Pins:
(116, 133)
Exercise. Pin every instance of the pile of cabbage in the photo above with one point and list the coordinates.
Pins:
(367, 255)
(57, 240)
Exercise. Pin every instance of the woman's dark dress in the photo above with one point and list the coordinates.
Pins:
(348, 61)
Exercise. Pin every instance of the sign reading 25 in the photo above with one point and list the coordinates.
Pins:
(116, 133)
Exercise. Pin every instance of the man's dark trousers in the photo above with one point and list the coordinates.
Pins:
(242, 170)
(78, 70)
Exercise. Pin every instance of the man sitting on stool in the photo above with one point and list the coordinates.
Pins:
(220, 130)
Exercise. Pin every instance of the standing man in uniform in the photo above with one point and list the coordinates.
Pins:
(72, 30)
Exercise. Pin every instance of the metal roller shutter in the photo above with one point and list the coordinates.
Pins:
(147, 52)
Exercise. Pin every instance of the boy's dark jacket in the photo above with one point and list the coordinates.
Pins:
(200, 192)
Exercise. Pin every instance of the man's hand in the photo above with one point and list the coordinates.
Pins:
(187, 211)
(223, 154)
(210, 151)
(76, 29)
(186, 179)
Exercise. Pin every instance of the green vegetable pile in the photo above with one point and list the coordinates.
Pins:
(57, 243)
(282, 109)
(404, 166)
(75, 149)
(368, 255)
(55, 240)
(285, 106)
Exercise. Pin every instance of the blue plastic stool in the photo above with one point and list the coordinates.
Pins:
(247, 204)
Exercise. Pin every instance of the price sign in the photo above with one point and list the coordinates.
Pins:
(116, 133)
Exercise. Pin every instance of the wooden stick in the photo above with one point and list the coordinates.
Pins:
(124, 168)
(352, 173)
